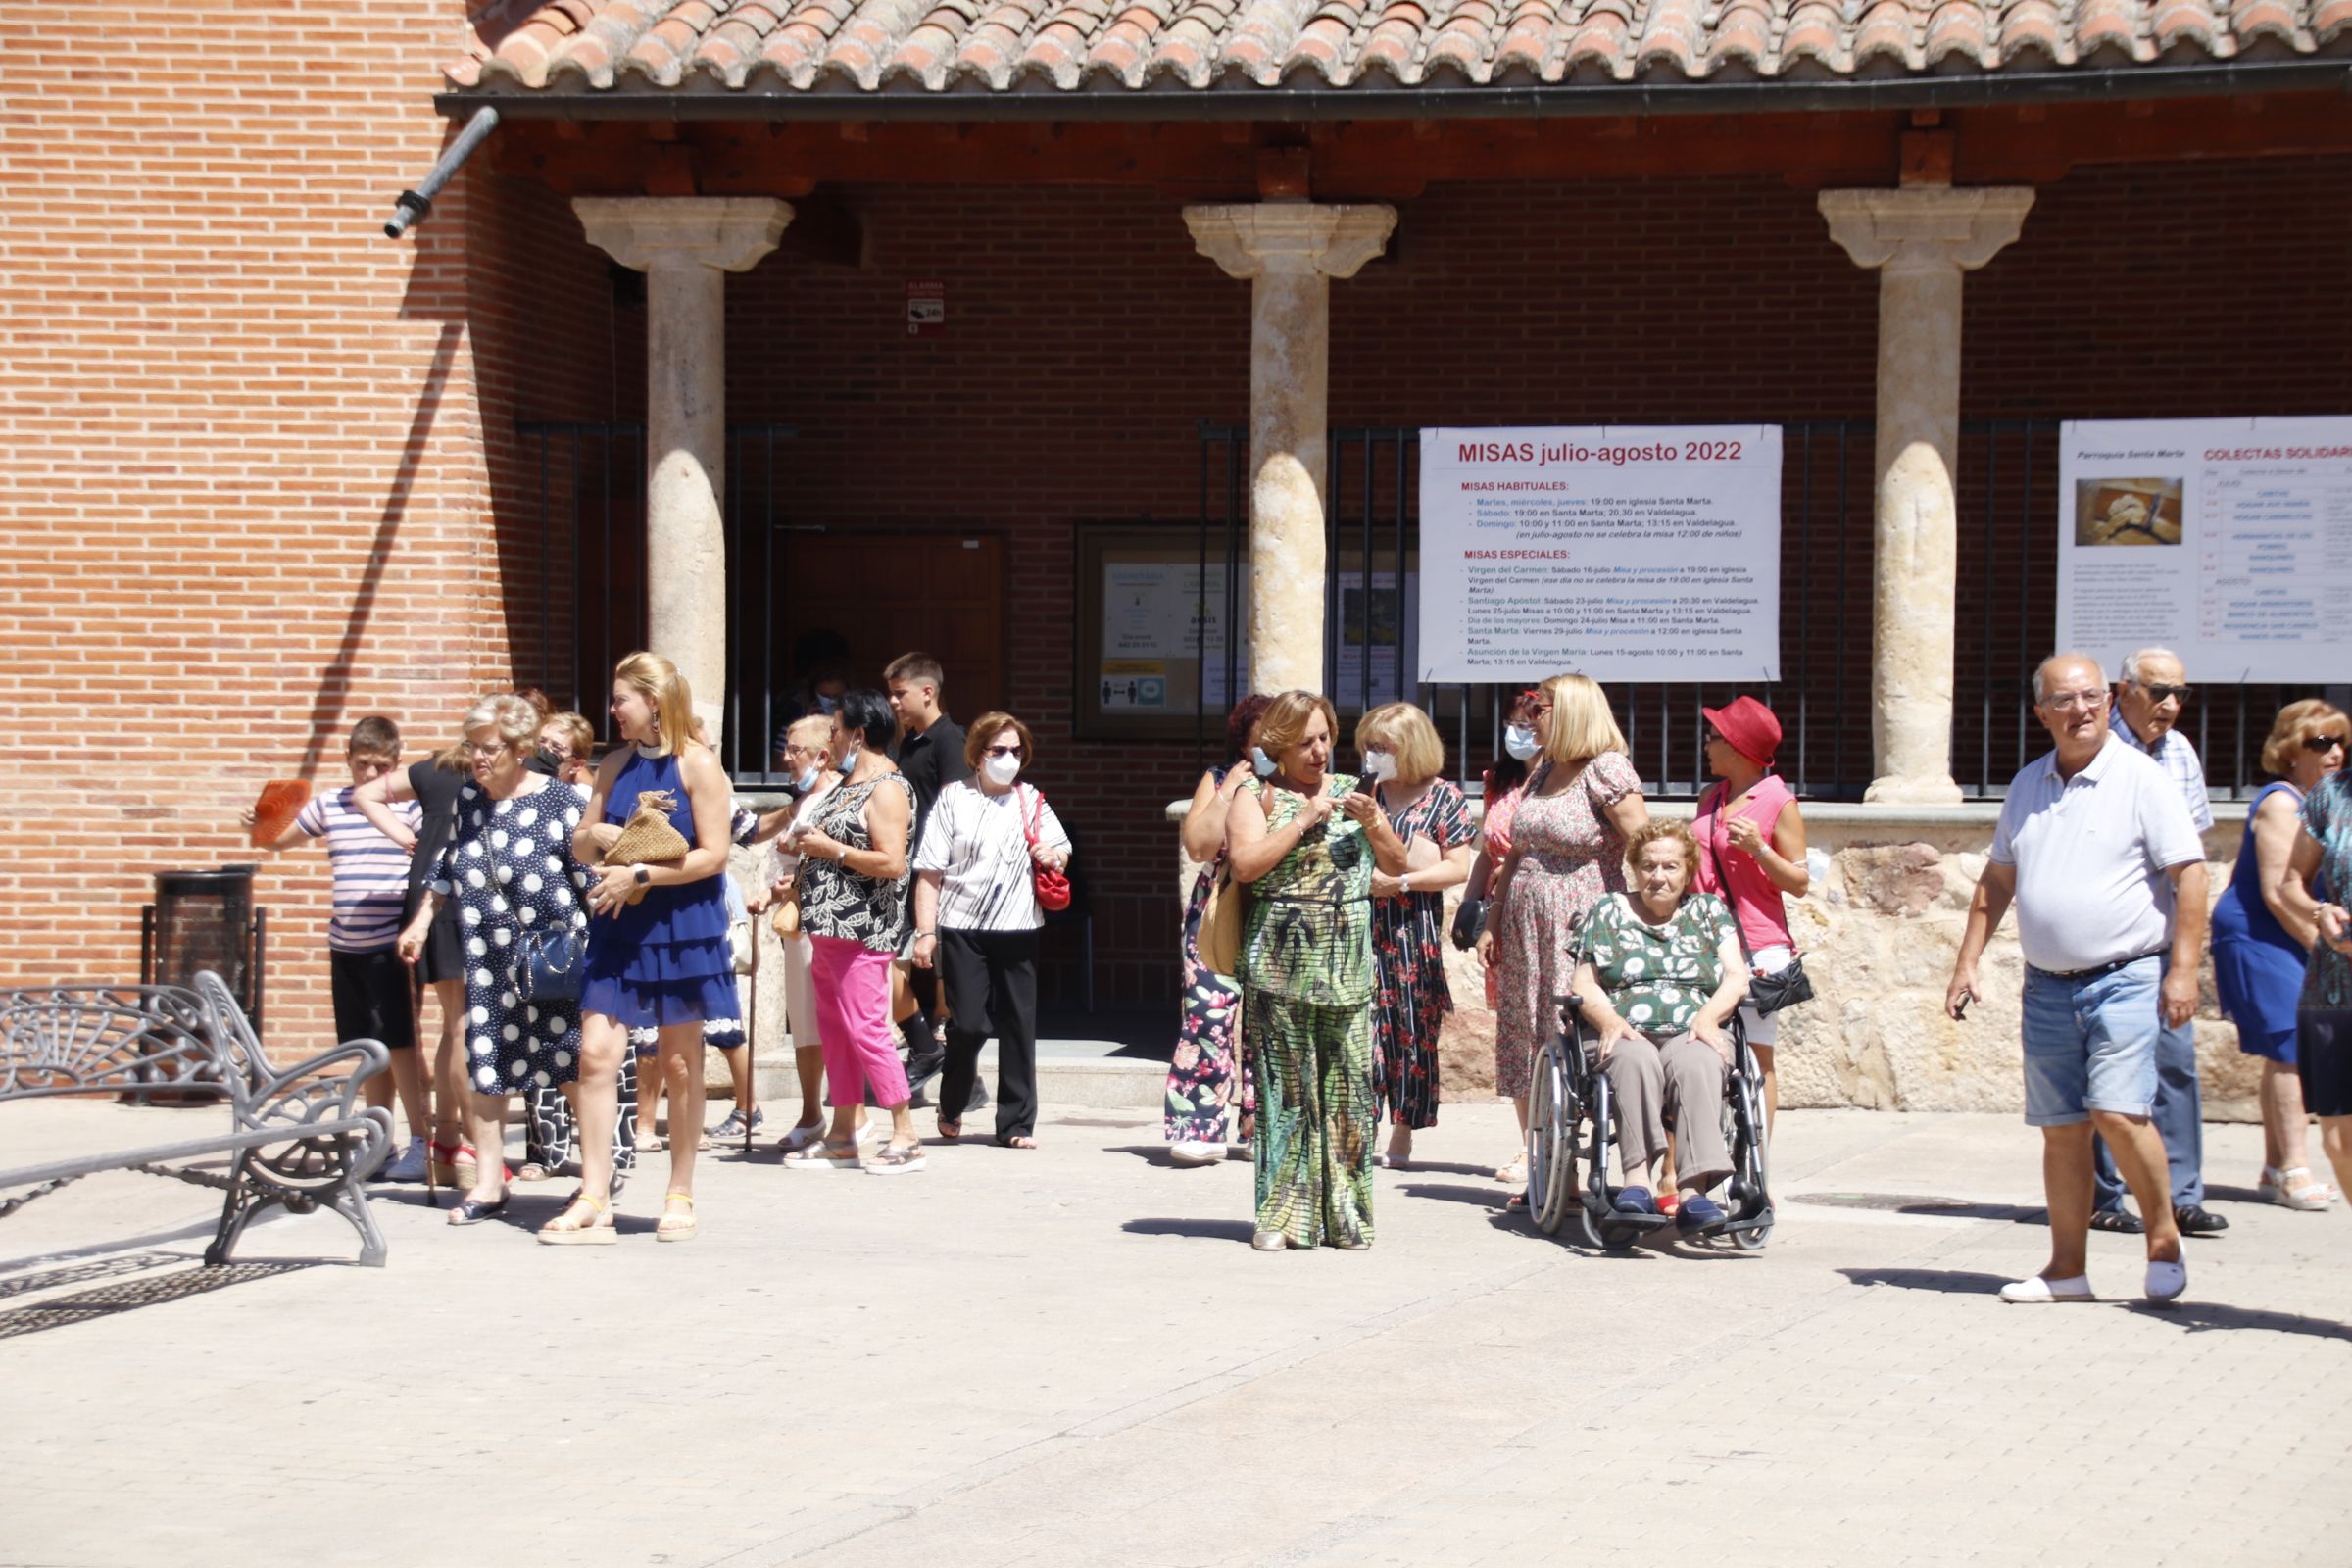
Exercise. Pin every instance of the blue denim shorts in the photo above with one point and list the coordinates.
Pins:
(2090, 1044)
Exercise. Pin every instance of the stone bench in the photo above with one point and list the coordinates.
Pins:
(297, 1135)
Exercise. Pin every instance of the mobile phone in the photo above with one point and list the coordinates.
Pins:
(1960, 1007)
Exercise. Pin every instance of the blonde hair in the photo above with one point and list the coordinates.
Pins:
(987, 727)
(1409, 736)
(516, 721)
(818, 725)
(1655, 829)
(658, 680)
(2296, 723)
(1582, 724)
(1284, 723)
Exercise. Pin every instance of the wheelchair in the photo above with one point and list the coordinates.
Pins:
(1570, 1127)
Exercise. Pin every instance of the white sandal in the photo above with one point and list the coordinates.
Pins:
(2307, 1195)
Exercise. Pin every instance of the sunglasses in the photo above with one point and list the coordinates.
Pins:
(2163, 693)
(2323, 744)
(1003, 750)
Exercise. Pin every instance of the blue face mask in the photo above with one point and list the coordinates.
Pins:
(849, 760)
(808, 780)
(1519, 741)
(1260, 760)
(826, 705)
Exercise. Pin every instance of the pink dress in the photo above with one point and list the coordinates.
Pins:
(1570, 856)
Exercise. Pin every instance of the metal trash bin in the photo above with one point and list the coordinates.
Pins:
(206, 920)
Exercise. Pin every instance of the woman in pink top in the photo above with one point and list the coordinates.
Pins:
(1751, 851)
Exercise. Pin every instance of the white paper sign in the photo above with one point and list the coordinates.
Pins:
(1622, 553)
(2228, 541)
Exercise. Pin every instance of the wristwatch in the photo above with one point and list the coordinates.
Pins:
(645, 877)
(1404, 883)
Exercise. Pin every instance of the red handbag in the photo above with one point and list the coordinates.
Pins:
(1052, 887)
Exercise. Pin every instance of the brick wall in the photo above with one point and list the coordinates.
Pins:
(242, 500)
(264, 475)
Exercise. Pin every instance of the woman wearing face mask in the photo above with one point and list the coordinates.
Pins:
(976, 920)
(1307, 841)
(1567, 852)
(1210, 1070)
(1403, 760)
(853, 872)
(566, 741)
(1502, 785)
(661, 963)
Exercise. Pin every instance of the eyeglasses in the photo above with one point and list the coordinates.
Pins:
(2069, 702)
(478, 749)
(2164, 694)
(2323, 744)
(1003, 750)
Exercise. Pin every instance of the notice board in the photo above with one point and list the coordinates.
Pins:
(1622, 553)
(2228, 541)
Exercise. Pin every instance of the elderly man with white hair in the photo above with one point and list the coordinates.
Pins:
(2096, 850)
(2149, 701)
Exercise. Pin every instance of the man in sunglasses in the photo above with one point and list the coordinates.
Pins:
(2149, 701)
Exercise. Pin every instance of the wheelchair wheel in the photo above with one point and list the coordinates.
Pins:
(1752, 1193)
(1550, 1140)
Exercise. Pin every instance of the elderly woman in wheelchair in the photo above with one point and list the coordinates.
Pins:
(1658, 978)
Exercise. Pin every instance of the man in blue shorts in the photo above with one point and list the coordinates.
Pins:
(2095, 848)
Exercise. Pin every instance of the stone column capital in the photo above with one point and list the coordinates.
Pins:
(1927, 226)
(728, 233)
(1254, 238)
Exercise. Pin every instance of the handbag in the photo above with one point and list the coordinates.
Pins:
(785, 918)
(548, 967)
(1219, 943)
(743, 945)
(1052, 886)
(1469, 920)
(647, 838)
(1768, 994)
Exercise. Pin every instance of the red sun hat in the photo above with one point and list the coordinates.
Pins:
(1749, 727)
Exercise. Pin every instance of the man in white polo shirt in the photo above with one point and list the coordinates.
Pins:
(2095, 848)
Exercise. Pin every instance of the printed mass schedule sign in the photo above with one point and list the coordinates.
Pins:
(2228, 541)
(1623, 553)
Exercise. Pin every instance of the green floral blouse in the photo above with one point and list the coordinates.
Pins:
(1309, 936)
(1657, 976)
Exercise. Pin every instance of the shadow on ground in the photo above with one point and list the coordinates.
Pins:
(112, 1301)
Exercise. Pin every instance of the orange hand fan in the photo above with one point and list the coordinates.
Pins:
(281, 802)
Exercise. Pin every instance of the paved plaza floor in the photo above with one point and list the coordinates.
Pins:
(1073, 1357)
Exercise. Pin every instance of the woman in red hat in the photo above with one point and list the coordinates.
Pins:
(1751, 851)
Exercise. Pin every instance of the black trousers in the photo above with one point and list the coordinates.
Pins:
(990, 980)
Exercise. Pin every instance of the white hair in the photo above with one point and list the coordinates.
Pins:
(2042, 691)
(2133, 661)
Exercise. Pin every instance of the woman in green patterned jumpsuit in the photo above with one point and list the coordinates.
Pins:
(1306, 844)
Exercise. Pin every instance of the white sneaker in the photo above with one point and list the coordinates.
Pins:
(2165, 1281)
(2040, 1291)
(409, 1167)
(1194, 1151)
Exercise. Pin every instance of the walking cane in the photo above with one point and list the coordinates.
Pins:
(751, 1039)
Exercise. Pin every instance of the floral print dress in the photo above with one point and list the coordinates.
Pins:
(1410, 997)
(1569, 856)
(1210, 1070)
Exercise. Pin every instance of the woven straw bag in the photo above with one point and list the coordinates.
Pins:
(647, 838)
(1228, 911)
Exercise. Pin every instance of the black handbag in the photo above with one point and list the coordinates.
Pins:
(1468, 920)
(1768, 994)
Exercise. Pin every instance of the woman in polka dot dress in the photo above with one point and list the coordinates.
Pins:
(510, 867)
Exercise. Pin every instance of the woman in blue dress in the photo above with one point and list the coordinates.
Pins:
(2262, 937)
(662, 962)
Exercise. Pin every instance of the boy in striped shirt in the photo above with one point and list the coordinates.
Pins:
(372, 995)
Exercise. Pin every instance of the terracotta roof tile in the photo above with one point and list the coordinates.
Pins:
(937, 46)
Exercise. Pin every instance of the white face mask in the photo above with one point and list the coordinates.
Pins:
(1260, 760)
(1380, 766)
(1519, 741)
(1002, 770)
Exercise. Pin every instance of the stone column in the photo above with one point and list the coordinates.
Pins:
(1921, 239)
(685, 245)
(1289, 251)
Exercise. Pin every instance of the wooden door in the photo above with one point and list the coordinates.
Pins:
(889, 594)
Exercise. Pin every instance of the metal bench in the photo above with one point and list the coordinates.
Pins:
(298, 1135)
